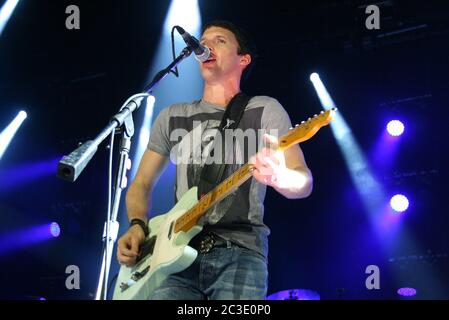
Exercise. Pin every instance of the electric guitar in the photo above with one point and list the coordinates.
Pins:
(166, 250)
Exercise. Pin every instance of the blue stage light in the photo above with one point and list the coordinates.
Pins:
(6, 13)
(395, 128)
(55, 230)
(399, 203)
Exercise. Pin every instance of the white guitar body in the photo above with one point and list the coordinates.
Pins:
(170, 254)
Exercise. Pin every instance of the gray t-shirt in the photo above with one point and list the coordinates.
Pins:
(185, 132)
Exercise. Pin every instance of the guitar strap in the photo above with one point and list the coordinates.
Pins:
(212, 173)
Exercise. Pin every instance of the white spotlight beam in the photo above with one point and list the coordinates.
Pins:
(8, 134)
(6, 13)
(323, 94)
(144, 134)
(369, 189)
(184, 13)
(188, 87)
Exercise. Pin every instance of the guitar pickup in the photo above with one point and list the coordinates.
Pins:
(146, 249)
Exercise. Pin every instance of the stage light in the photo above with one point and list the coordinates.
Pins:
(8, 133)
(21, 174)
(395, 128)
(399, 203)
(407, 292)
(16, 240)
(366, 184)
(323, 94)
(6, 13)
(184, 13)
(22, 115)
(188, 87)
(314, 77)
(144, 134)
(55, 230)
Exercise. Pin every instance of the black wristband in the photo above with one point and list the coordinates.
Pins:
(142, 224)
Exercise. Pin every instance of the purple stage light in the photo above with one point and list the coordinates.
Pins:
(19, 175)
(399, 203)
(295, 294)
(55, 230)
(24, 238)
(407, 292)
(395, 128)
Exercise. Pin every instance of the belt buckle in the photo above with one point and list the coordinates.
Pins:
(207, 243)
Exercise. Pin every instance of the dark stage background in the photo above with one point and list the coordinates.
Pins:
(71, 82)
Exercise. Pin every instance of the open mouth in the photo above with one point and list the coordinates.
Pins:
(210, 60)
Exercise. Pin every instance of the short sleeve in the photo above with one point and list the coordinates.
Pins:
(159, 136)
(275, 119)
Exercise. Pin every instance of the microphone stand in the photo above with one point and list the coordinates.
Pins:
(71, 166)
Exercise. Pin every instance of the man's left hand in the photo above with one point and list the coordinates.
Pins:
(269, 165)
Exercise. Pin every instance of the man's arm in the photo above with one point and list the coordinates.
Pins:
(295, 180)
(138, 201)
(138, 197)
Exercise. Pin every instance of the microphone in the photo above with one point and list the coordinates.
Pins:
(202, 53)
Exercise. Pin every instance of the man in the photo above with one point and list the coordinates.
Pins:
(235, 266)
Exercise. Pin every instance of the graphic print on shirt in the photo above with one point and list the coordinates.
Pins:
(194, 152)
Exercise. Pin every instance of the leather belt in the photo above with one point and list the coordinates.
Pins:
(205, 242)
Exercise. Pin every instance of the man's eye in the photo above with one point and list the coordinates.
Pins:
(221, 41)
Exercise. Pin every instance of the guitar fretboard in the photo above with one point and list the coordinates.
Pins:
(191, 217)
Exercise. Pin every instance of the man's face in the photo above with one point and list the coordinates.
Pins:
(224, 61)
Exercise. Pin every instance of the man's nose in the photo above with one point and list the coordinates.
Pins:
(210, 45)
(212, 51)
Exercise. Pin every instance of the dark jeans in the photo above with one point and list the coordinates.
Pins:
(224, 273)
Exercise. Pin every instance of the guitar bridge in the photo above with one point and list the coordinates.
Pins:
(136, 276)
(139, 275)
(124, 287)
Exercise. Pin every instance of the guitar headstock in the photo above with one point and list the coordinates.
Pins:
(307, 129)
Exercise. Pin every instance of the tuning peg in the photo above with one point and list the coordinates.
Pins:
(309, 119)
(302, 122)
(321, 112)
(315, 115)
(297, 125)
(291, 128)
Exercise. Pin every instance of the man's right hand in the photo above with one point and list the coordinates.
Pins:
(128, 246)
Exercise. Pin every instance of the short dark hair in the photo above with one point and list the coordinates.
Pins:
(245, 41)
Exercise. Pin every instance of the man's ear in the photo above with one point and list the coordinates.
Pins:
(245, 60)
